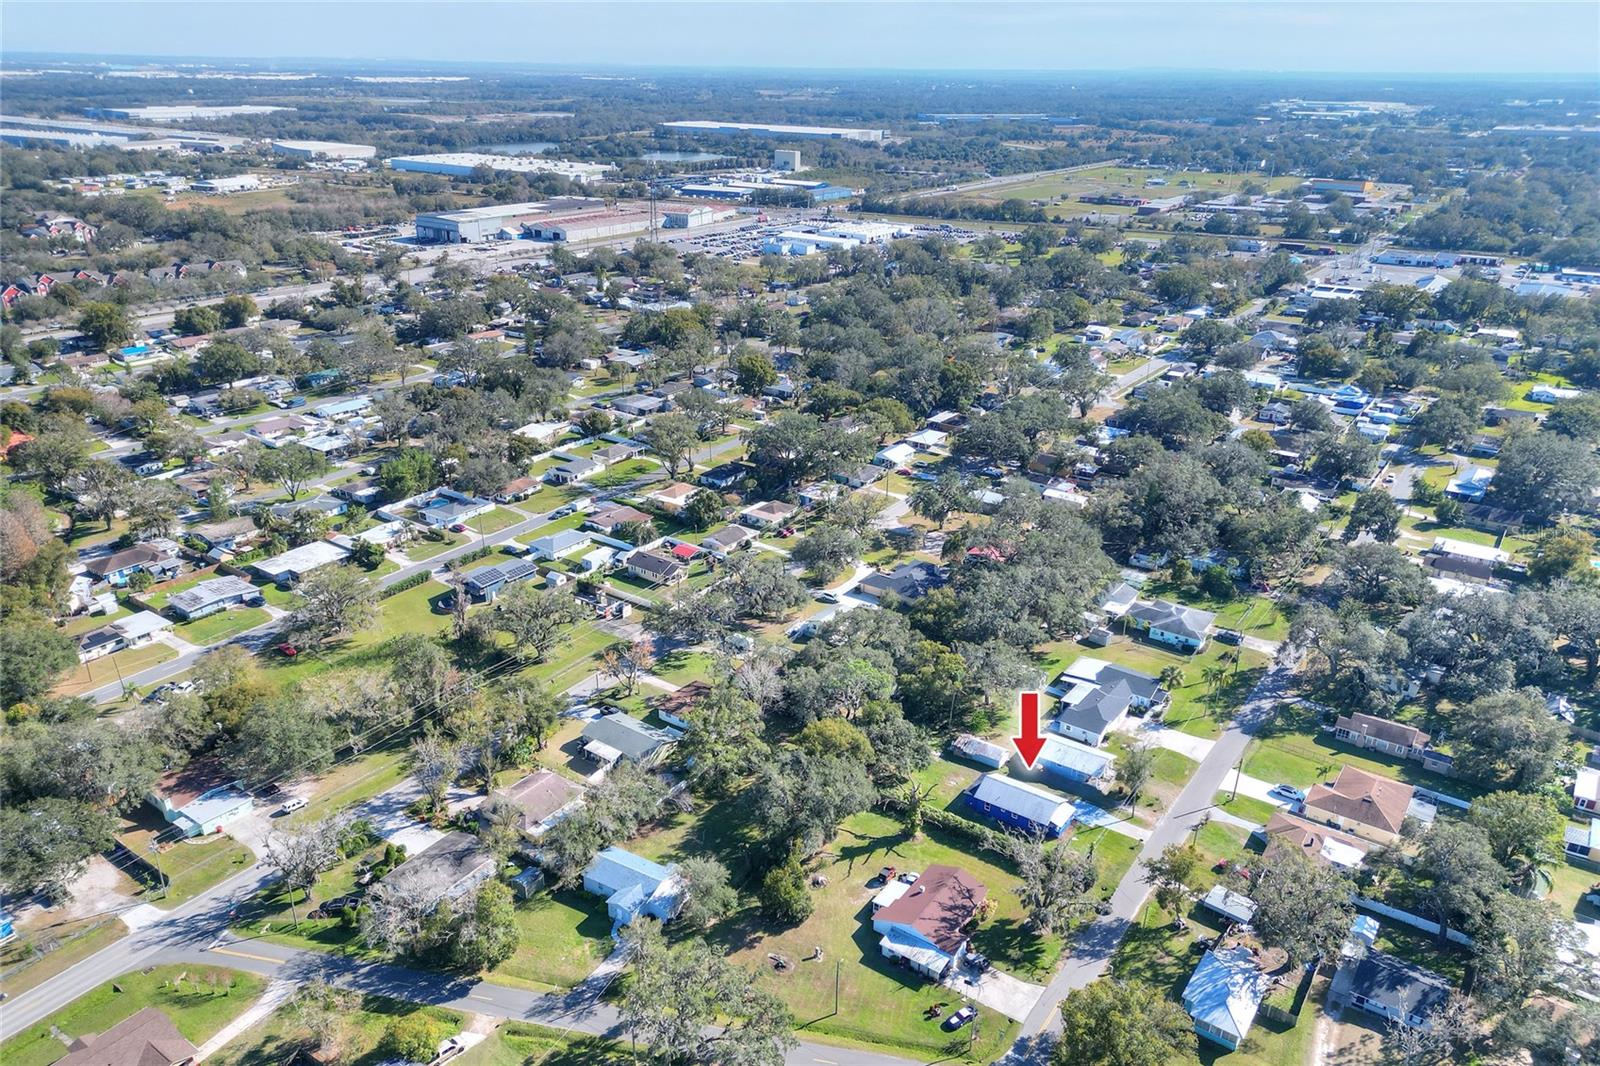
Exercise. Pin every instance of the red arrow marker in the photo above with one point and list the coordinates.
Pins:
(1028, 741)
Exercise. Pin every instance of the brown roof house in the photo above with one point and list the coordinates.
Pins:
(925, 925)
(540, 800)
(1286, 832)
(148, 1038)
(1365, 804)
(677, 708)
(1392, 738)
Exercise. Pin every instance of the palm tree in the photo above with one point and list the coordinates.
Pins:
(1214, 675)
(1171, 678)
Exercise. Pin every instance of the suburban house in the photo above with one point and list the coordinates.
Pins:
(860, 476)
(1397, 991)
(660, 569)
(1470, 485)
(1286, 831)
(541, 798)
(633, 886)
(149, 558)
(321, 506)
(725, 541)
(1465, 559)
(1230, 905)
(1224, 993)
(768, 514)
(290, 567)
(1097, 695)
(1019, 805)
(213, 595)
(1586, 789)
(674, 496)
(519, 488)
(925, 928)
(1075, 762)
(1392, 738)
(573, 470)
(200, 798)
(607, 520)
(895, 455)
(1170, 623)
(908, 581)
(146, 1038)
(448, 869)
(560, 543)
(134, 631)
(442, 508)
(1581, 843)
(229, 534)
(617, 737)
(725, 475)
(1365, 804)
(677, 708)
(486, 583)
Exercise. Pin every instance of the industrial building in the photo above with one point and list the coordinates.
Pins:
(787, 160)
(179, 113)
(497, 222)
(758, 129)
(738, 189)
(233, 184)
(462, 164)
(587, 226)
(794, 242)
(83, 133)
(323, 150)
(690, 216)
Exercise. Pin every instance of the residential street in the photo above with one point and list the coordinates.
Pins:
(1090, 953)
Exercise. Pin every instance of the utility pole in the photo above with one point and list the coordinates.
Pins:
(836, 964)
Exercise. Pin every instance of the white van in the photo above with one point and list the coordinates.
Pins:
(294, 803)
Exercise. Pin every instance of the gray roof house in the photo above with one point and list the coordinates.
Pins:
(209, 597)
(451, 868)
(1391, 988)
(1095, 714)
(617, 736)
(908, 581)
(1096, 695)
(1171, 623)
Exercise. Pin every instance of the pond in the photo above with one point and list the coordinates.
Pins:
(681, 157)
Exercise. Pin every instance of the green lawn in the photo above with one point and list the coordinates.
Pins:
(1293, 750)
(421, 548)
(624, 472)
(352, 782)
(222, 625)
(206, 999)
(278, 1038)
(157, 598)
(494, 521)
(564, 935)
(112, 668)
(191, 866)
(74, 944)
(519, 1044)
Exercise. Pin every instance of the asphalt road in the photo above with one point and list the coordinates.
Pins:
(1090, 953)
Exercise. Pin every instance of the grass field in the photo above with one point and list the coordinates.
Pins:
(278, 1038)
(111, 668)
(518, 1043)
(205, 1000)
(221, 626)
(564, 935)
(422, 548)
(74, 946)
(189, 867)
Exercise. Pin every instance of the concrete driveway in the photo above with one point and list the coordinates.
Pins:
(998, 991)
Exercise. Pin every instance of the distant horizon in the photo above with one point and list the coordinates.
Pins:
(13, 58)
(1346, 38)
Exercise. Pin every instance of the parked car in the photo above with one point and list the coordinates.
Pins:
(459, 527)
(297, 803)
(827, 596)
(1288, 793)
(1230, 636)
(288, 651)
(961, 1017)
(786, 531)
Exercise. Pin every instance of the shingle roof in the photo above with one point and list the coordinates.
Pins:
(626, 734)
(1399, 985)
(1363, 797)
(1096, 712)
(1173, 617)
(147, 1038)
(539, 795)
(1368, 725)
(938, 905)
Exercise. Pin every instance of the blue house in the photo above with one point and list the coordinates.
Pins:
(633, 886)
(1223, 995)
(485, 583)
(1078, 763)
(1020, 805)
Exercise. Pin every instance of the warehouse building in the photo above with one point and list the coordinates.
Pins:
(794, 242)
(587, 226)
(179, 113)
(757, 129)
(323, 150)
(690, 216)
(497, 222)
(236, 183)
(462, 164)
(787, 160)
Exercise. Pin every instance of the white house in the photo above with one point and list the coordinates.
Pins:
(633, 886)
(896, 455)
(1586, 789)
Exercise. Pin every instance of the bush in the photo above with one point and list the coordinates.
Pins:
(403, 584)
(784, 896)
(415, 1037)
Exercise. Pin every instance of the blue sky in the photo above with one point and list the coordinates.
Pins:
(1315, 35)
